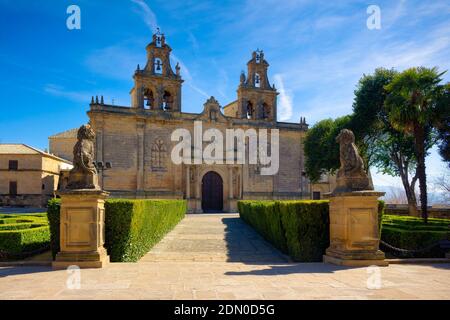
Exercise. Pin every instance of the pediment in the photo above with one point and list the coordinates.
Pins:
(212, 112)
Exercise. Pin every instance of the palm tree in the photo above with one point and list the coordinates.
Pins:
(411, 103)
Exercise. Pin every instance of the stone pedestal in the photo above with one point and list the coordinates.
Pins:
(354, 235)
(82, 229)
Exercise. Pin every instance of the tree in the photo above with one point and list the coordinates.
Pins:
(412, 109)
(321, 149)
(386, 148)
(443, 124)
(442, 184)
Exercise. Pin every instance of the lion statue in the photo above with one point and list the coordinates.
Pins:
(84, 174)
(351, 175)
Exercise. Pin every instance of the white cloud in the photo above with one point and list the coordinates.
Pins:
(116, 62)
(59, 91)
(285, 100)
(186, 75)
(147, 14)
(84, 96)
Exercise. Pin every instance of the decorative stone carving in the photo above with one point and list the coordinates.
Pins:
(84, 174)
(351, 175)
(159, 155)
(242, 78)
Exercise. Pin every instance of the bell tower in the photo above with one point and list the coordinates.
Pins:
(257, 99)
(157, 87)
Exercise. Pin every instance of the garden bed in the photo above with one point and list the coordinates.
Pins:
(23, 235)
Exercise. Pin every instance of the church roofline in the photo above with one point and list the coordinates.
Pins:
(230, 104)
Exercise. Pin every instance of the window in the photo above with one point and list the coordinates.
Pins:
(158, 158)
(167, 101)
(13, 188)
(316, 195)
(148, 99)
(257, 80)
(158, 66)
(265, 111)
(258, 57)
(158, 40)
(13, 164)
(250, 110)
(43, 186)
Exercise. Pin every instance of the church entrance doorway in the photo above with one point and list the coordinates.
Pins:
(212, 192)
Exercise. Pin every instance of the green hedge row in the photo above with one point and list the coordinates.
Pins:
(53, 208)
(23, 234)
(412, 233)
(132, 227)
(297, 228)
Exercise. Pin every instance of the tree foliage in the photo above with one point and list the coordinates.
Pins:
(412, 105)
(321, 148)
(443, 124)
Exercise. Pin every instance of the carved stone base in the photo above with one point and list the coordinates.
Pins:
(79, 180)
(82, 231)
(354, 235)
(81, 259)
(344, 184)
(354, 263)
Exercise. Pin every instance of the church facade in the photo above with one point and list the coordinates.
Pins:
(135, 141)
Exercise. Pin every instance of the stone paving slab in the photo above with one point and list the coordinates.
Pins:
(223, 280)
(220, 257)
(214, 237)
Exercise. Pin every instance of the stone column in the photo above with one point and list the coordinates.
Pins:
(140, 128)
(188, 182)
(354, 232)
(230, 184)
(198, 195)
(99, 149)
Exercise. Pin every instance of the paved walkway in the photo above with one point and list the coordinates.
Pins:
(242, 266)
(214, 237)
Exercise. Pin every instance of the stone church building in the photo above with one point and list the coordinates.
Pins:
(136, 143)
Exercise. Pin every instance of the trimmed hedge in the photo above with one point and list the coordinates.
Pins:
(53, 208)
(412, 233)
(297, 228)
(132, 227)
(20, 235)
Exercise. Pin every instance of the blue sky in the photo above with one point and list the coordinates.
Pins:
(317, 51)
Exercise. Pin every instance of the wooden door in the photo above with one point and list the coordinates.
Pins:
(212, 192)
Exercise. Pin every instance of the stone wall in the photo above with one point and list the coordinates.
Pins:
(37, 179)
(62, 147)
(130, 140)
(433, 212)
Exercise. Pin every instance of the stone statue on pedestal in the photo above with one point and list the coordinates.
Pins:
(351, 175)
(84, 174)
(354, 232)
(82, 213)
